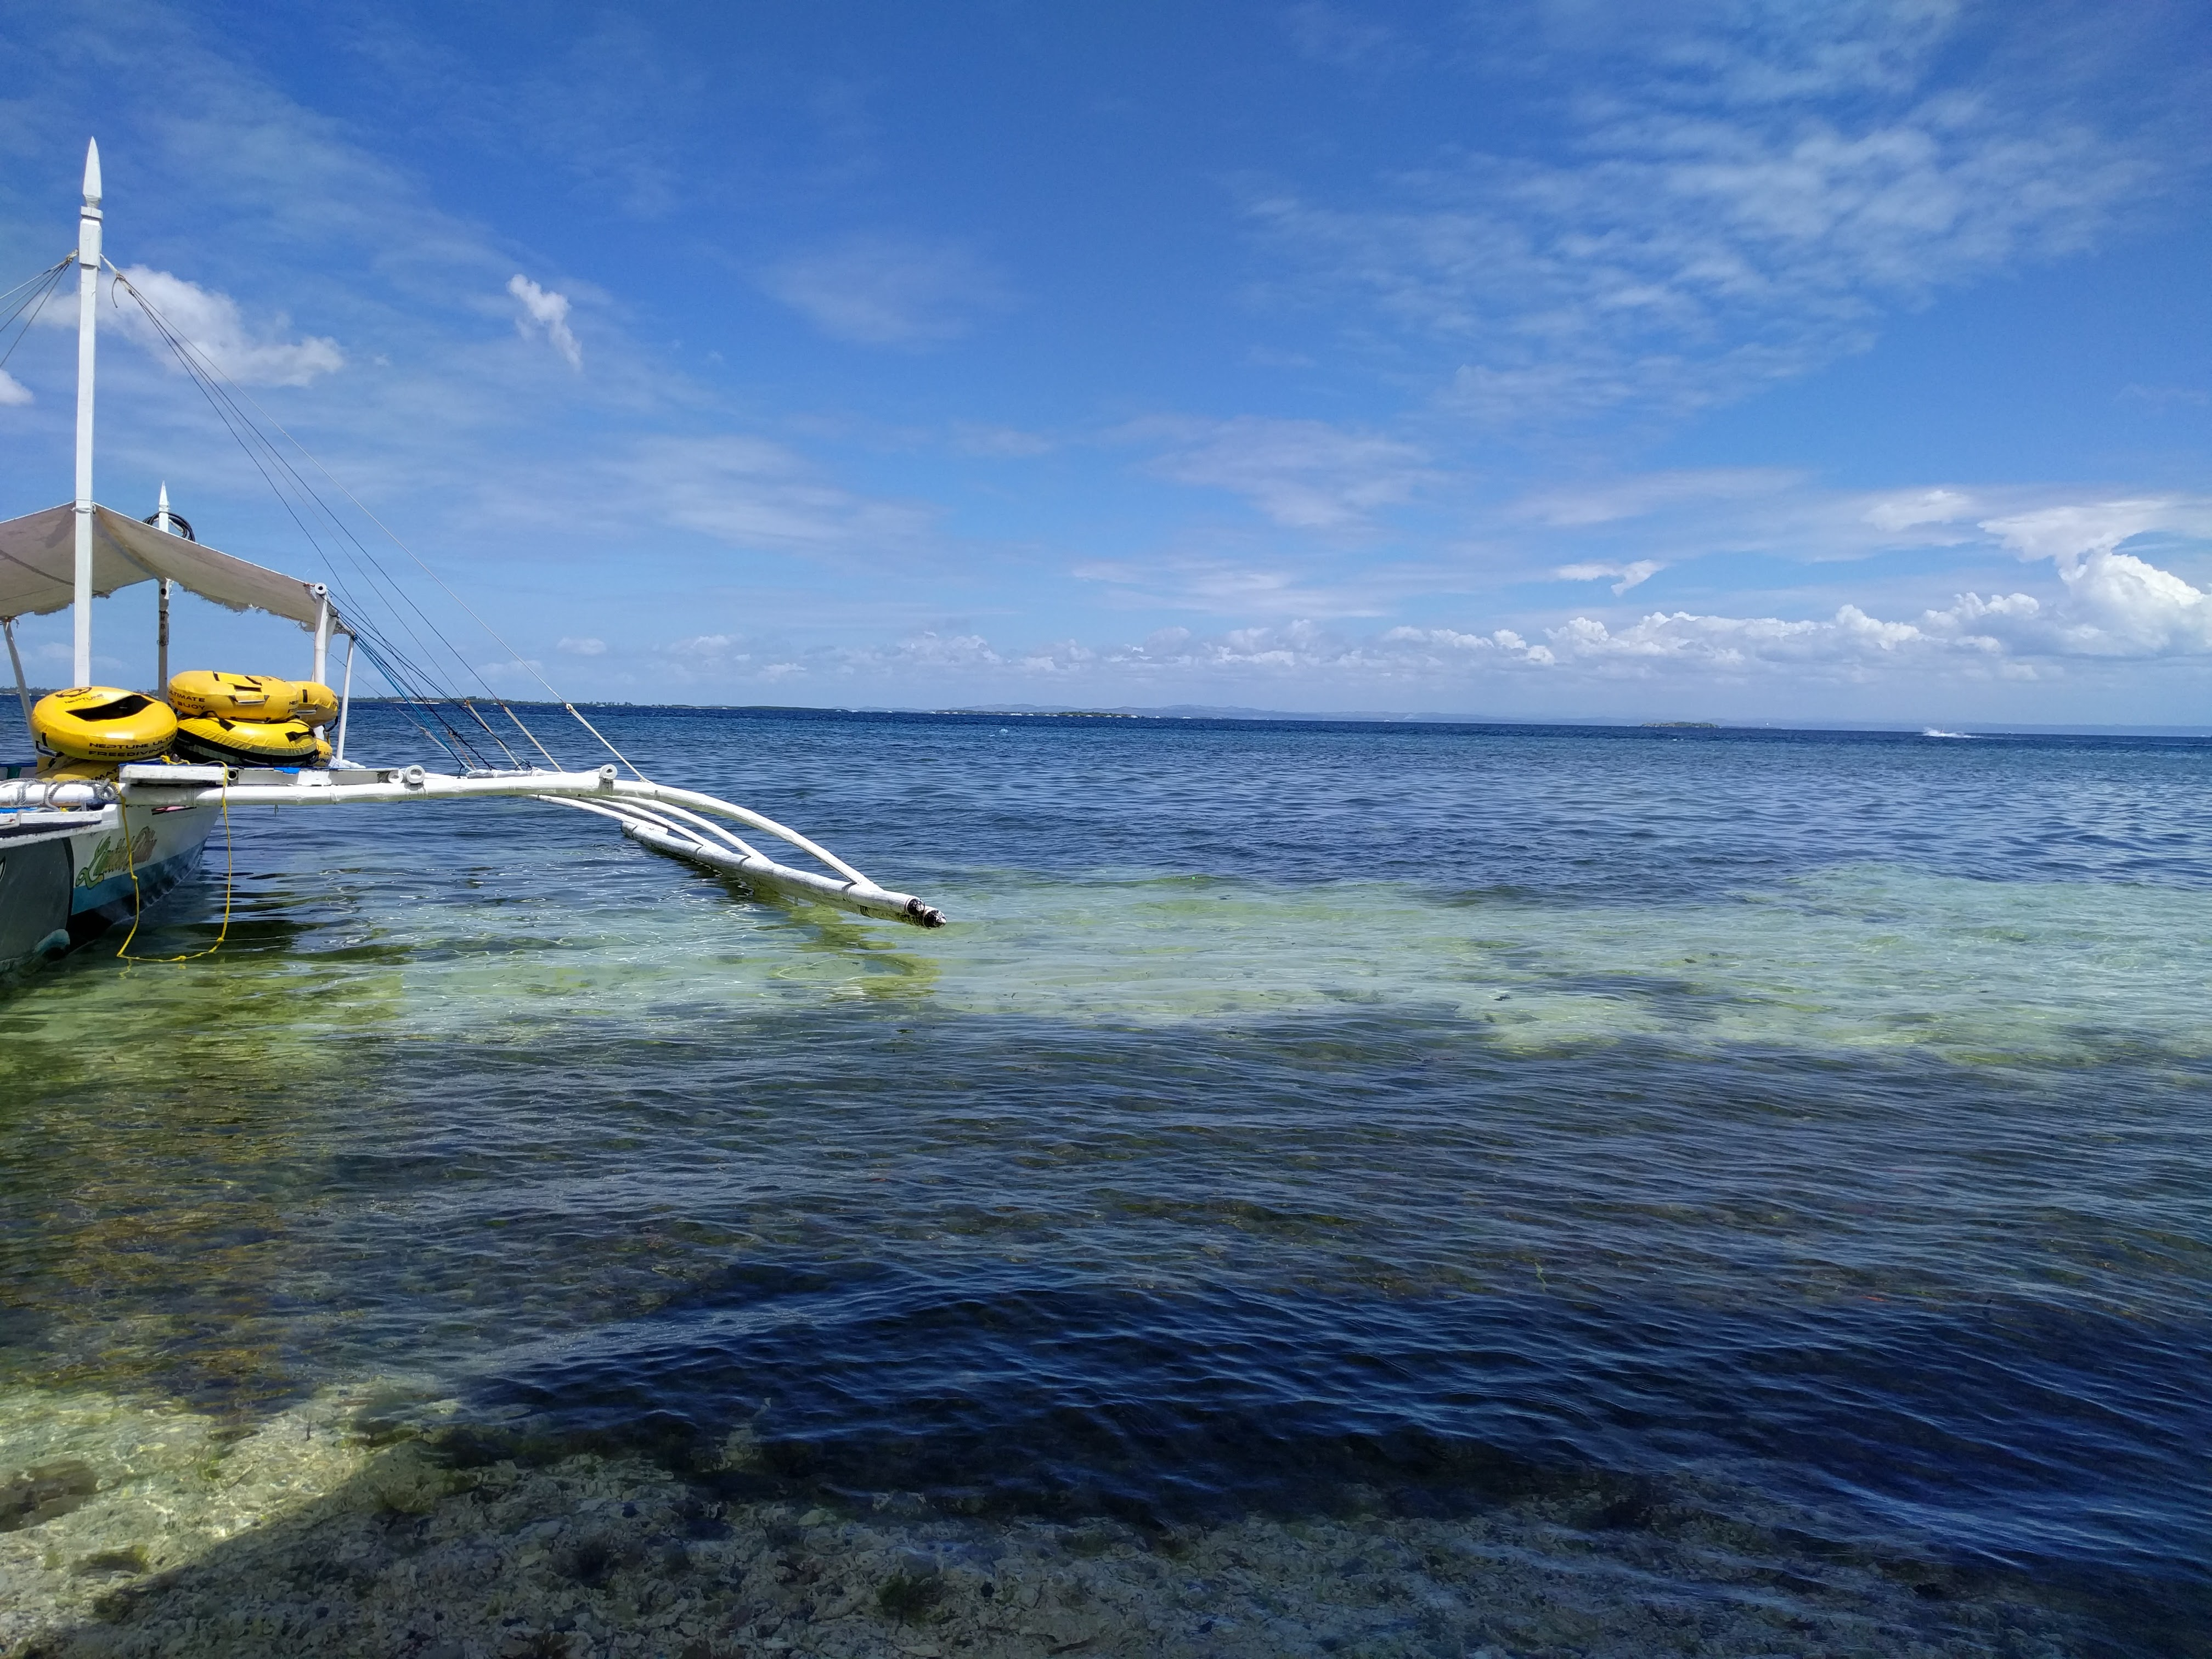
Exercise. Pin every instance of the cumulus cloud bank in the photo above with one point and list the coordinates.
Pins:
(2112, 605)
(546, 312)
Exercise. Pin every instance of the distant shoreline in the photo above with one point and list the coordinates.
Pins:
(1192, 712)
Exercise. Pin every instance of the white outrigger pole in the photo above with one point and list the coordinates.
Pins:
(680, 822)
(101, 822)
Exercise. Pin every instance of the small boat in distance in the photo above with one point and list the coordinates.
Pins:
(87, 842)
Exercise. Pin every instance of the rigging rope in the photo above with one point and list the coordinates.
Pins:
(415, 688)
(48, 274)
(206, 366)
(45, 282)
(389, 660)
(406, 678)
(137, 910)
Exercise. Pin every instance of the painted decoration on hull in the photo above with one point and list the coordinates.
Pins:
(159, 855)
(112, 856)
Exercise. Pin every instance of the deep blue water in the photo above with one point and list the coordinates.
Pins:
(1296, 1117)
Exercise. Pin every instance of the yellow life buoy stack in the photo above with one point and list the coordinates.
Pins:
(251, 719)
(227, 742)
(235, 696)
(313, 703)
(102, 723)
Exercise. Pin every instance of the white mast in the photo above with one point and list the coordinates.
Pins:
(88, 312)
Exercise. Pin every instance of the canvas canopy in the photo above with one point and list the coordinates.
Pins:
(38, 565)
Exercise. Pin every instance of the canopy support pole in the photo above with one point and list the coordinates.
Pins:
(163, 523)
(15, 657)
(322, 631)
(88, 316)
(345, 706)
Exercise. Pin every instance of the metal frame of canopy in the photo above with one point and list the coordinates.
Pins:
(37, 577)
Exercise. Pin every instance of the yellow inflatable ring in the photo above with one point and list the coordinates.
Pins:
(246, 743)
(100, 723)
(238, 696)
(313, 704)
(54, 768)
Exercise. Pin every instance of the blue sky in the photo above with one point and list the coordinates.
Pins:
(1730, 360)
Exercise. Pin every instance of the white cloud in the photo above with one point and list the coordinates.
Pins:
(1307, 475)
(1633, 574)
(1639, 497)
(1343, 39)
(1294, 651)
(1924, 506)
(1733, 644)
(12, 392)
(888, 290)
(1602, 527)
(2117, 604)
(582, 647)
(748, 492)
(213, 322)
(2114, 606)
(1714, 230)
(545, 312)
(999, 442)
(2161, 399)
(715, 646)
(2071, 532)
(1226, 587)
(1746, 57)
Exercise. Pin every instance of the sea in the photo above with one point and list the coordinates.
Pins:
(1792, 1149)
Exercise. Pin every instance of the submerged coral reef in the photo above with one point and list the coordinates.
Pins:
(144, 1531)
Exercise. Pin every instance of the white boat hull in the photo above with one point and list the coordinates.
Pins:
(67, 877)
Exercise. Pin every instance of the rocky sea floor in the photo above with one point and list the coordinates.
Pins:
(154, 1531)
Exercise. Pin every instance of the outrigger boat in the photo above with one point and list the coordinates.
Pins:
(84, 846)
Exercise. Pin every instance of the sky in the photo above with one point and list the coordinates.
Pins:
(1742, 360)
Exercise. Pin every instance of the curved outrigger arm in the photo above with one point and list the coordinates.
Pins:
(704, 842)
(680, 821)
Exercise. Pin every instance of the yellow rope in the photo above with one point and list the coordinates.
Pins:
(229, 874)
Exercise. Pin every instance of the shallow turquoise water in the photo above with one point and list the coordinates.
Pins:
(1293, 1110)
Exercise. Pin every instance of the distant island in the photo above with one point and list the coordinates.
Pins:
(1682, 726)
